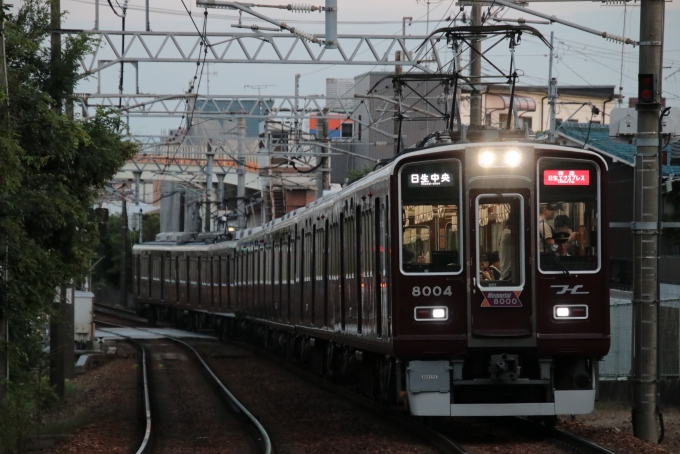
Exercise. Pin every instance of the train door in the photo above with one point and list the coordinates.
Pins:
(501, 303)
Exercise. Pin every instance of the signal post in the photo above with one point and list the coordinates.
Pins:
(646, 223)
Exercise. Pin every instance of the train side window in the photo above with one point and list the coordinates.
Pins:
(568, 216)
(430, 217)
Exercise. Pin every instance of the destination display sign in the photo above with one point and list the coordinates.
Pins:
(566, 177)
(501, 299)
(419, 180)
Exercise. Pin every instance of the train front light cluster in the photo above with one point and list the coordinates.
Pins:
(571, 312)
(431, 313)
(510, 157)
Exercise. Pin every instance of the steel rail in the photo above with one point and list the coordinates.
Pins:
(434, 437)
(146, 445)
(266, 441)
(561, 436)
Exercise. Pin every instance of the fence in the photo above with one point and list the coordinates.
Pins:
(617, 364)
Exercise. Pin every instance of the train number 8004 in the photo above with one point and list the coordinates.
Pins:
(430, 291)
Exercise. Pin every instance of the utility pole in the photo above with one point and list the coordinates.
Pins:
(57, 337)
(122, 67)
(645, 225)
(208, 187)
(123, 255)
(552, 94)
(182, 209)
(241, 175)
(396, 122)
(4, 324)
(57, 378)
(323, 172)
(476, 69)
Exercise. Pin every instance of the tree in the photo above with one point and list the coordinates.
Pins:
(52, 169)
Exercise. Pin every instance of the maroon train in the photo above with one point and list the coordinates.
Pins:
(379, 284)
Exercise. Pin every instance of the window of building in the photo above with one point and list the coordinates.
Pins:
(347, 130)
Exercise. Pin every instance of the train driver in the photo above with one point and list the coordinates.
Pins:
(562, 241)
(545, 230)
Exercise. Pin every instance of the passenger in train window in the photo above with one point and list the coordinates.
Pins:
(505, 251)
(407, 255)
(495, 265)
(484, 270)
(545, 230)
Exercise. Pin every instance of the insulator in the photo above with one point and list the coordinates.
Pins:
(302, 8)
(304, 35)
(617, 38)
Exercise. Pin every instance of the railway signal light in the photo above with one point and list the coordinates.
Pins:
(647, 84)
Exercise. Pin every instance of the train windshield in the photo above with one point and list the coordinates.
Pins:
(430, 217)
(500, 244)
(568, 222)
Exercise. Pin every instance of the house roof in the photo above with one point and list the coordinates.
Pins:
(599, 141)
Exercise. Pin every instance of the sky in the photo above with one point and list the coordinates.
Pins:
(581, 58)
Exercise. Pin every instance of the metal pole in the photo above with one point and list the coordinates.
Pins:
(182, 209)
(141, 220)
(241, 175)
(4, 324)
(123, 257)
(122, 67)
(645, 229)
(331, 24)
(69, 344)
(264, 174)
(148, 23)
(208, 189)
(58, 316)
(322, 136)
(57, 343)
(552, 93)
(475, 70)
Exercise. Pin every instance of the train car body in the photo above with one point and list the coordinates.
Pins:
(381, 281)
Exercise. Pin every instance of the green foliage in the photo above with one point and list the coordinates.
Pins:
(357, 174)
(107, 271)
(51, 171)
(21, 410)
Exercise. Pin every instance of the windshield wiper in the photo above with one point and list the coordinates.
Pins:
(565, 271)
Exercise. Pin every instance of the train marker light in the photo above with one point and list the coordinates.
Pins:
(571, 312)
(513, 158)
(431, 314)
(486, 158)
(438, 313)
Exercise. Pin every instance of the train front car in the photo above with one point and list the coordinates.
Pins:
(501, 278)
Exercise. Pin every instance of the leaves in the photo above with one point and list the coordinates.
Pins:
(51, 171)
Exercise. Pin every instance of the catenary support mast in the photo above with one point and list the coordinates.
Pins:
(476, 70)
(645, 226)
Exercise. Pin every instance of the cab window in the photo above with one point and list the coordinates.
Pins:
(568, 218)
(430, 217)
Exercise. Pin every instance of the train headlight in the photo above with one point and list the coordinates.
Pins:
(513, 158)
(571, 312)
(486, 158)
(431, 313)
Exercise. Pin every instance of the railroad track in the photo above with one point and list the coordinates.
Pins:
(146, 446)
(435, 436)
(185, 417)
(561, 437)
